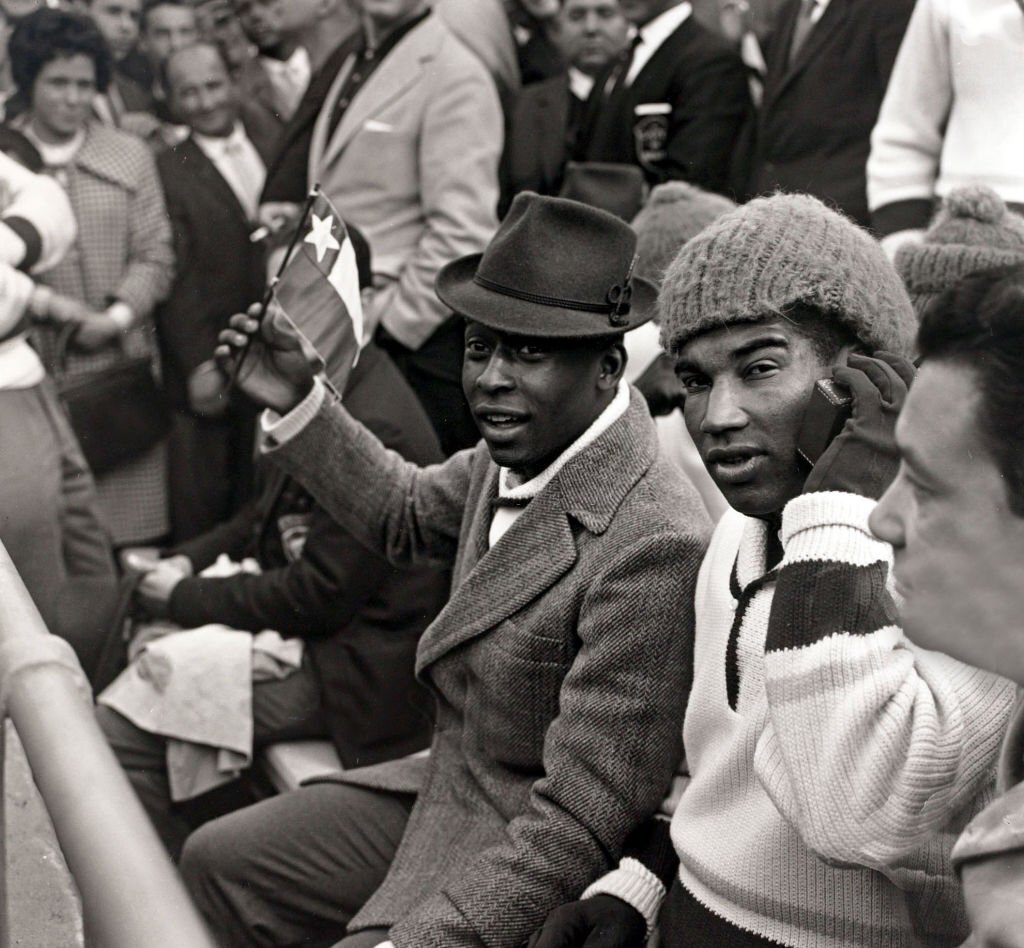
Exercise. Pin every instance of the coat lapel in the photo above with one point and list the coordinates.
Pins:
(831, 21)
(399, 72)
(535, 553)
(540, 548)
(211, 179)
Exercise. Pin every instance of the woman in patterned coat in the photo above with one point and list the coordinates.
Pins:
(121, 265)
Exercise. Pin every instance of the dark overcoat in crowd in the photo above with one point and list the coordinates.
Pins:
(220, 272)
(538, 144)
(360, 616)
(681, 116)
(814, 126)
(560, 667)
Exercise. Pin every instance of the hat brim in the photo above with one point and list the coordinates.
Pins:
(457, 290)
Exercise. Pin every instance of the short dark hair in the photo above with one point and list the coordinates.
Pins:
(49, 34)
(150, 5)
(979, 324)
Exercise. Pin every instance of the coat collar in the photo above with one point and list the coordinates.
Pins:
(192, 157)
(540, 548)
(400, 71)
(103, 155)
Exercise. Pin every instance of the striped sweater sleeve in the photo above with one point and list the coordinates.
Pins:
(871, 743)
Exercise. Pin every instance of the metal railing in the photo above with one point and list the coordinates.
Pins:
(132, 896)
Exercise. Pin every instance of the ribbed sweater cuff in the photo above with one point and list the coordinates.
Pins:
(832, 508)
(277, 430)
(635, 885)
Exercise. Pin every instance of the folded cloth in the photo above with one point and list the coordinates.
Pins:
(194, 687)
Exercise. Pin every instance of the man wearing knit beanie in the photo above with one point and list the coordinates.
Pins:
(972, 231)
(830, 764)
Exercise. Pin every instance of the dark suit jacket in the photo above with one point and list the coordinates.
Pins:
(361, 617)
(814, 126)
(702, 85)
(539, 141)
(560, 667)
(219, 272)
(288, 168)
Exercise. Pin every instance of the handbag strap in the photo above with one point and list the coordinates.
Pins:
(65, 337)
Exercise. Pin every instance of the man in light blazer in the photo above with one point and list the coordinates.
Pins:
(560, 665)
(407, 147)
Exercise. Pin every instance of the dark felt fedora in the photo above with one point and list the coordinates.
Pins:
(555, 268)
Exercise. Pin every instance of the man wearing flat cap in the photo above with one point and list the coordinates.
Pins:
(560, 665)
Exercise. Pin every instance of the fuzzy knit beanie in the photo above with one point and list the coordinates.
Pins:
(674, 214)
(972, 231)
(764, 257)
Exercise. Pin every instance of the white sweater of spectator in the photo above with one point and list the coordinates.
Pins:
(37, 226)
(953, 114)
(831, 763)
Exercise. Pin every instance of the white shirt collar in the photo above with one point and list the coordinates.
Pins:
(580, 83)
(222, 145)
(615, 410)
(653, 35)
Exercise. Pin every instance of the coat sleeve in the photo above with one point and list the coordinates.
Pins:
(408, 514)
(150, 266)
(460, 145)
(608, 756)
(316, 595)
(904, 737)
(906, 144)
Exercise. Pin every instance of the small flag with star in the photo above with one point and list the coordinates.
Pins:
(319, 291)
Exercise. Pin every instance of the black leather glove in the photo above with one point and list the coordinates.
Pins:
(599, 922)
(660, 386)
(863, 458)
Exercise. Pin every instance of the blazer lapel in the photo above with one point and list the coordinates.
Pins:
(540, 547)
(527, 561)
(832, 20)
(399, 72)
(207, 174)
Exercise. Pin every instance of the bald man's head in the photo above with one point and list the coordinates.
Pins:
(200, 91)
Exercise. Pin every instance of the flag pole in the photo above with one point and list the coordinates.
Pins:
(272, 286)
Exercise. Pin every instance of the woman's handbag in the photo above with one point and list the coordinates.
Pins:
(118, 413)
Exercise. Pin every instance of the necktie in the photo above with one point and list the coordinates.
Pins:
(804, 25)
(617, 79)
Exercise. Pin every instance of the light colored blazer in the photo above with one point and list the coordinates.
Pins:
(560, 665)
(414, 165)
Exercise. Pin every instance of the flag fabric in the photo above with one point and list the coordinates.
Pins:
(319, 290)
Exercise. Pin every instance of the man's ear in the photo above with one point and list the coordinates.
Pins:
(613, 364)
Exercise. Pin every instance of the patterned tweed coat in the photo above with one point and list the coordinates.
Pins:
(123, 252)
(560, 668)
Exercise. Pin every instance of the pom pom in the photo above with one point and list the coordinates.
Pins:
(976, 202)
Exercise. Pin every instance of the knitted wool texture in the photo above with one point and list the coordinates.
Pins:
(972, 231)
(767, 255)
(673, 215)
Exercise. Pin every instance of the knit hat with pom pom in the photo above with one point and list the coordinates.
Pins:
(972, 231)
(762, 258)
(674, 213)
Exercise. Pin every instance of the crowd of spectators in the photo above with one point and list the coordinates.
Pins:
(652, 574)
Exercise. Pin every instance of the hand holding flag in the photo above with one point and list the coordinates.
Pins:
(317, 290)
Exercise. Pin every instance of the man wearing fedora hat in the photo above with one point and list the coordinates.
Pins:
(561, 663)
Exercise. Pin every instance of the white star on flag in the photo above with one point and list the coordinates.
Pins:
(321, 237)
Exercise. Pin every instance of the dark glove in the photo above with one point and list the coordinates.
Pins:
(863, 458)
(599, 922)
(660, 386)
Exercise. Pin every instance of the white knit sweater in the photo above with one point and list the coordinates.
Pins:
(954, 111)
(818, 738)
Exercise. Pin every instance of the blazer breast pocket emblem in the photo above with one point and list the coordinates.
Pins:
(650, 134)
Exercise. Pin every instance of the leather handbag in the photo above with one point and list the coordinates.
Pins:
(118, 413)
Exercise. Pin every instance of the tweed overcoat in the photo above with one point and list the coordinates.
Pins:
(560, 668)
(123, 252)
(413, 163)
